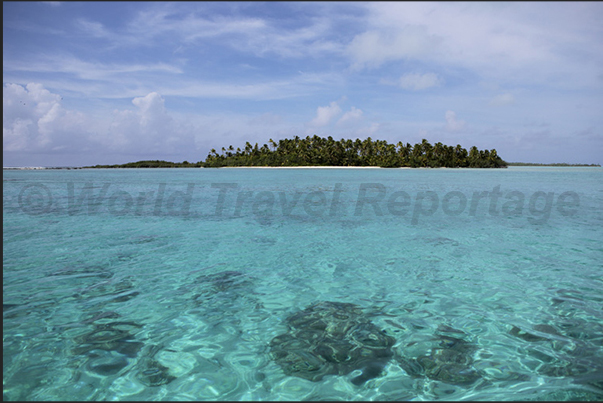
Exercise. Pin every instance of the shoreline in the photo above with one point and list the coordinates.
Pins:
(241, 167)
(296, 167)
(311, 167)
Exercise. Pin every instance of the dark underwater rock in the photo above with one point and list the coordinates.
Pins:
(332, 338)
(450, 360)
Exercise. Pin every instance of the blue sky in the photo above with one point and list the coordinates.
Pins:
(113, 82)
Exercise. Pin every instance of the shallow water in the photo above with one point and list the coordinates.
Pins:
(172, 285)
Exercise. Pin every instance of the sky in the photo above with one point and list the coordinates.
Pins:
(88, 83)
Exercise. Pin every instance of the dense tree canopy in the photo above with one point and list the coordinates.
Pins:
(318, 151)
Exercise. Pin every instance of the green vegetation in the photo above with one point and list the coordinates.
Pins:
(152, 164)
(556, 164)
(318, 151)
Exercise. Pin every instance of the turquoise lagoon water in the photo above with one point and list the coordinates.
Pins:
(170, 284)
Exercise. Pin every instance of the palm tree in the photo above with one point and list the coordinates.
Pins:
(317, 150)
(474, 157)
(438, 155)
(427, 153)
(416, 156)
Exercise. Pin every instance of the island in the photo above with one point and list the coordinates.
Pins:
(319, 151)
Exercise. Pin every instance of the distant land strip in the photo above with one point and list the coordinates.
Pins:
(554, 164)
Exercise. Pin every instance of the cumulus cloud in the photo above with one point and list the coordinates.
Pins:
(416, 82)
(351, 116)
(502, 100)
(34, 119)
(38, 130)
(324, 114)
(151, 109)
(452, 124)
(148, 128)
(352, 123)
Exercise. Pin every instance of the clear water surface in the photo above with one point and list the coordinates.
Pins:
(175, 283)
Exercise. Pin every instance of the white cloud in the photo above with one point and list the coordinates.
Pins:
(37, 127)
(375, 47)
(86, 70)
(306, 41)
(149, 128)
(351, 116)
(151, 109)
(502, 100)
(259, 36)
(122, 80)
(452, 124)
(34, 119)
(164, 18)
(416, 82)
(352, 124)
(15, 134)
(324, 114)
(497, 41)
(366, 131)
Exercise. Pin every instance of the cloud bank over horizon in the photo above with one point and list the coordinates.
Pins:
(104, 83)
